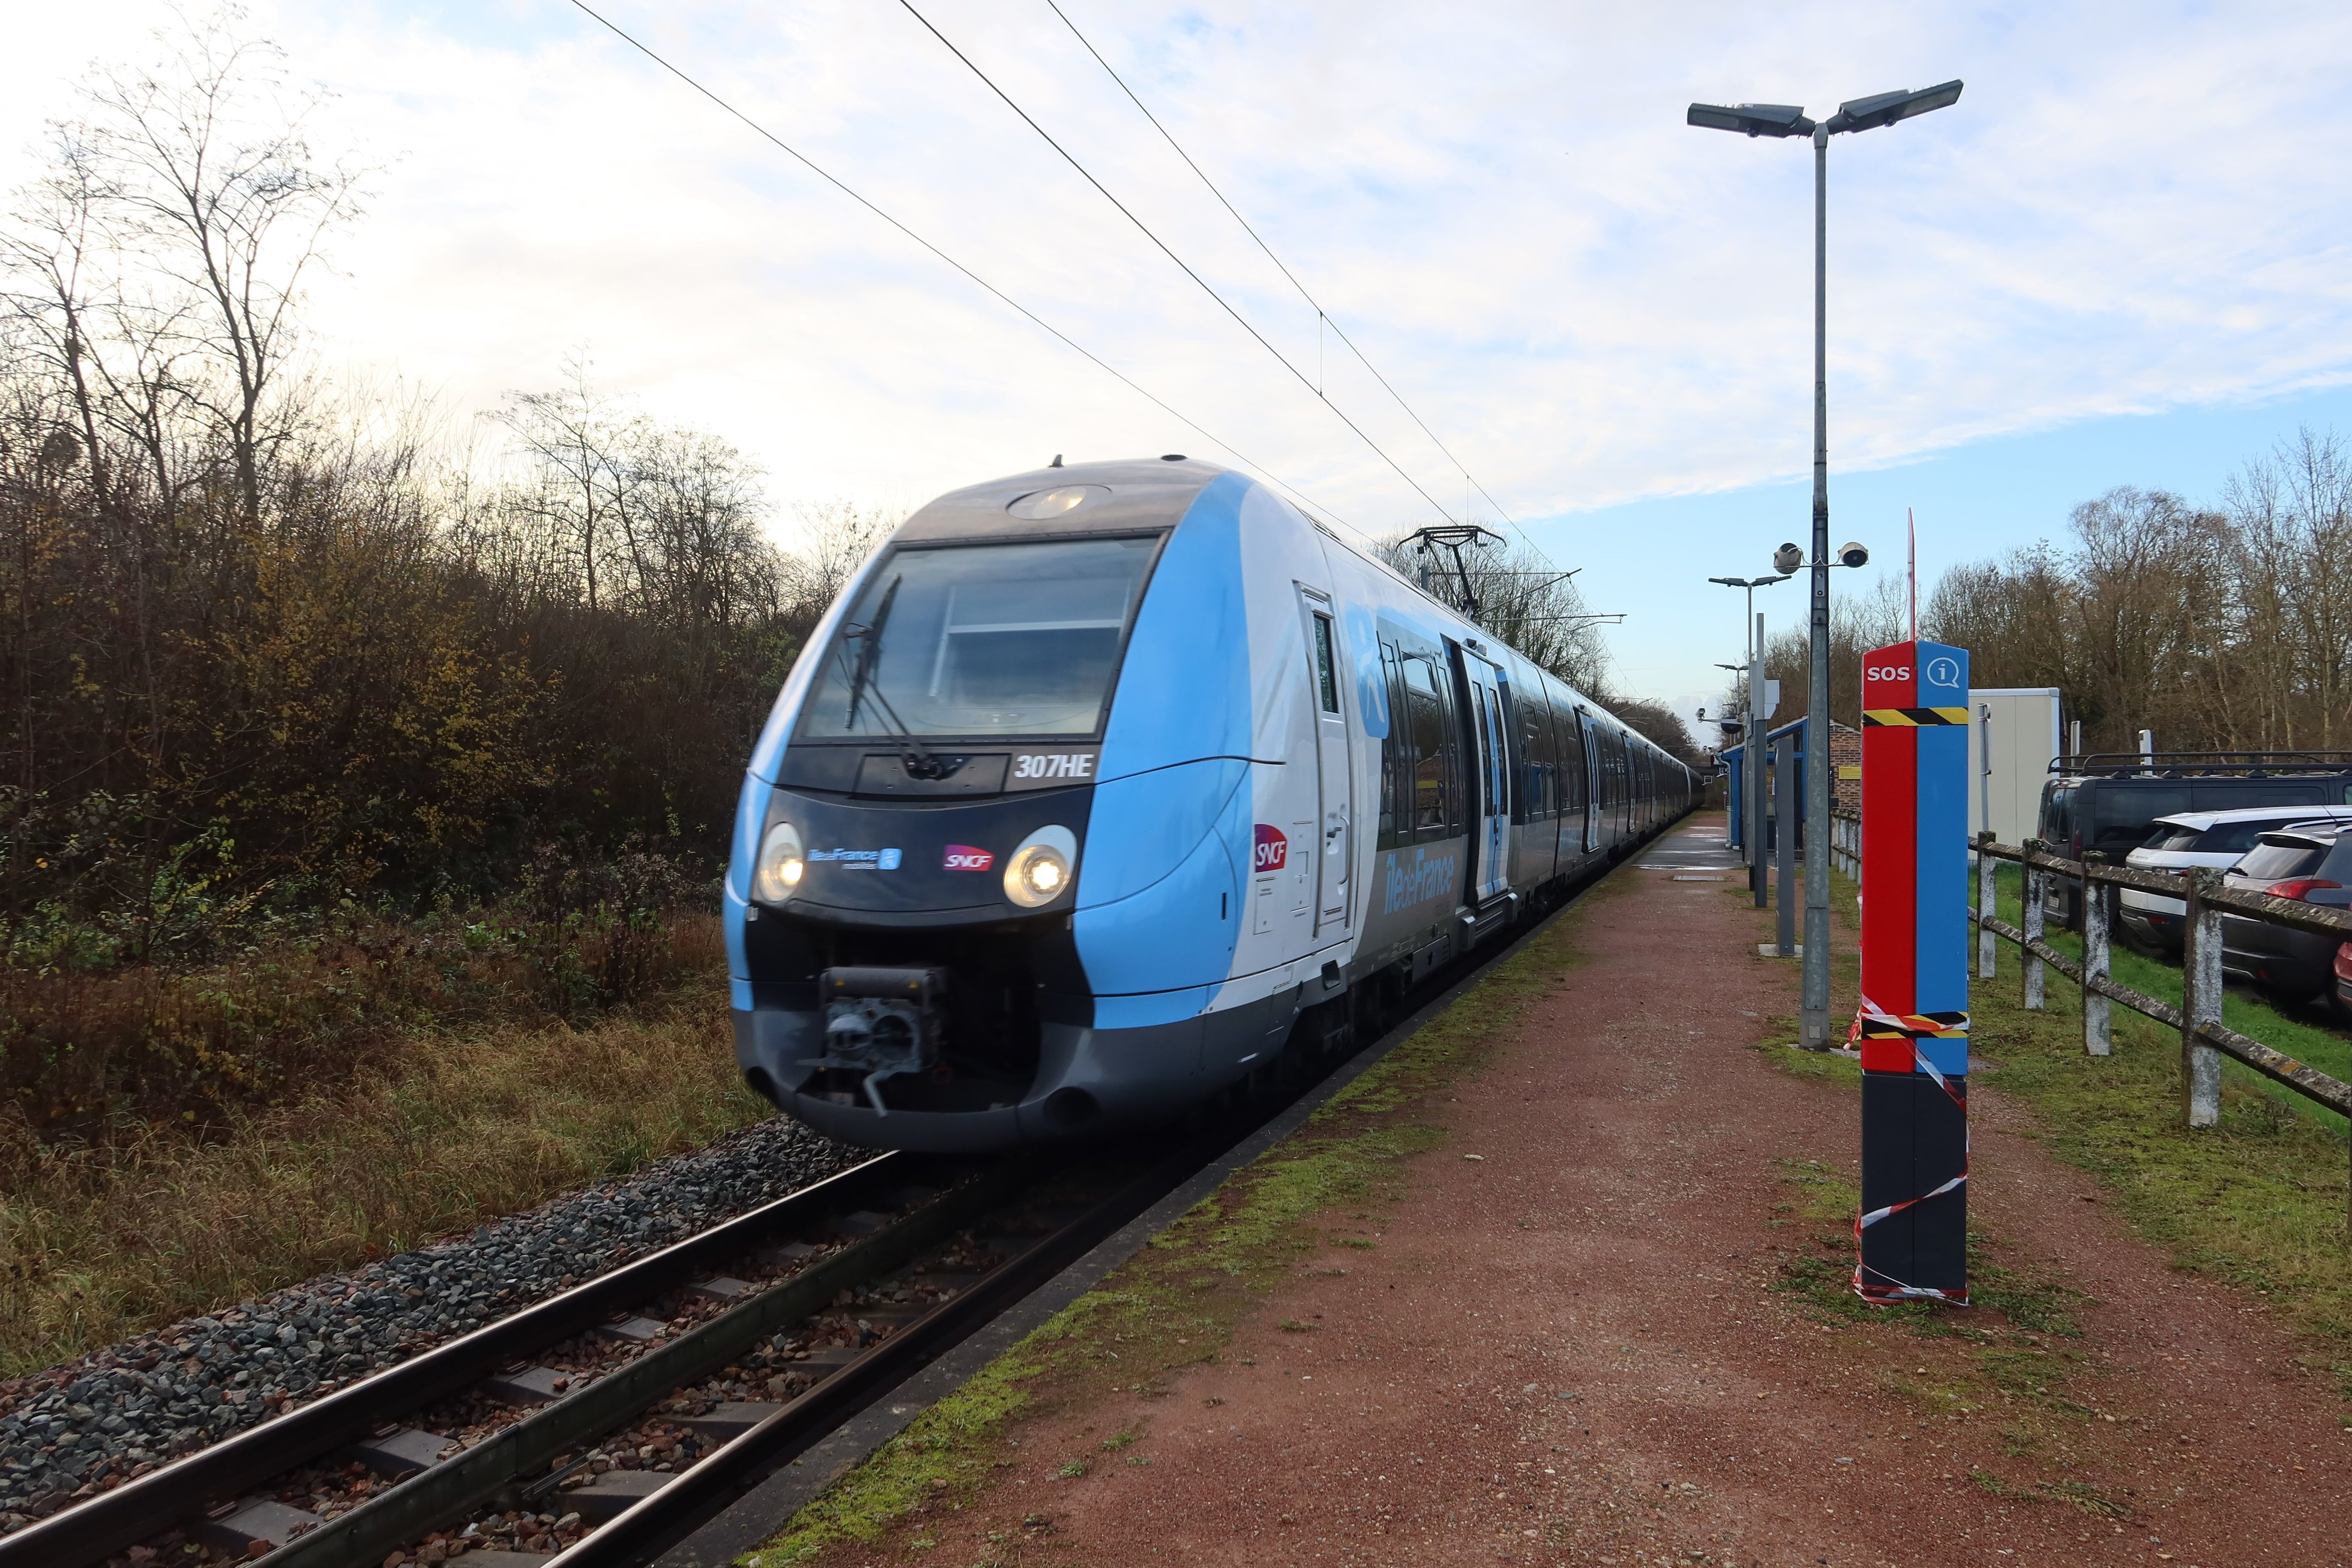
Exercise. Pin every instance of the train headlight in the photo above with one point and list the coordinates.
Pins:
(780, 865)
(1041, 870)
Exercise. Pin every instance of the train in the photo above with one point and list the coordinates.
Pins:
(1100, 787)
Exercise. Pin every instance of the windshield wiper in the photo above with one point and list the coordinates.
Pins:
(918, 759)
(870, 646)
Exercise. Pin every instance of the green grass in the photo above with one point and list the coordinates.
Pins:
(1313, 1197)
(2243, 1008)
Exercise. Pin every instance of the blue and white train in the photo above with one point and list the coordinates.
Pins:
(1102, 785)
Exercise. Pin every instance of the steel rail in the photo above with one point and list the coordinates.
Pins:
(518, 1453)
(91, 1531)
(650, 1526)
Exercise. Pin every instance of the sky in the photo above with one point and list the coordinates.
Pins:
(2121, 258)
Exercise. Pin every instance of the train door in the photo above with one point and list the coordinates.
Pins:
(1331, 765)
(1590, 747)
(1491, 833)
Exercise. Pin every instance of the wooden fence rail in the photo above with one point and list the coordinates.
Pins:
(2204, 1038)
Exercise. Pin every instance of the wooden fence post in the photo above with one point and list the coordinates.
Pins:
(2036, 982)
(2097, 1039)
(2201, 1000)
(1988, 904)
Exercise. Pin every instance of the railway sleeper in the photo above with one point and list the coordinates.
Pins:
(501, 1467)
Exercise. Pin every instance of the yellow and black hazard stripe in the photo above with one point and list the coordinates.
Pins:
(1913, 717)
(1917, 1026)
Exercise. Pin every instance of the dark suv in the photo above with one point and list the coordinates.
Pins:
(2311, 863)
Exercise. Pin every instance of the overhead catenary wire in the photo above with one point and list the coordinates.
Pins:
(1322, 317)
(1064, 338)
(1185, 267)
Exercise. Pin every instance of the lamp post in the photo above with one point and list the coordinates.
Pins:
(1751, 829)
(1778, 120)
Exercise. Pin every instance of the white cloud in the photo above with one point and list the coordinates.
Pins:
(2129, 209)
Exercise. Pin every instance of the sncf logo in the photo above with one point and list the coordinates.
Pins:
(1272, 850)
(964, 858)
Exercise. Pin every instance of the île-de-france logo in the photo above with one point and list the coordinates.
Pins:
(860, 859)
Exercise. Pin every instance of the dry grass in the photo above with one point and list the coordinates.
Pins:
(100, 1240)
(88, 1049)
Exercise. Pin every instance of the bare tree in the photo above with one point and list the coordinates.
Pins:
(49, 257)
(202, 162)
(2289, 674)
(828, 542)
(572, 439)
(1522, 597)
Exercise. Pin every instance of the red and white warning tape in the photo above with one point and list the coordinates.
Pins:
(1895, 1290)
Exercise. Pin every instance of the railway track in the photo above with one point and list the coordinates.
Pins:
(600, 1425)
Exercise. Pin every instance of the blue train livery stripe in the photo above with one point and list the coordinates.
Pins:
(1149, 823)
(1178, 700)
(1163, 910)
(1179, 932)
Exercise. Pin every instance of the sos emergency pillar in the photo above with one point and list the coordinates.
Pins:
(1911, 1235)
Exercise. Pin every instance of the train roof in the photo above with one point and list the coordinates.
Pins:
(1140, 493)
(1143, 493)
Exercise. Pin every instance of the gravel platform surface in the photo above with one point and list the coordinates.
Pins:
(122, 1411)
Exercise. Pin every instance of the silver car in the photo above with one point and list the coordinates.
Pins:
(2217, 839)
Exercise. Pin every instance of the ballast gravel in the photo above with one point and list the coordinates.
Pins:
(120, 1411)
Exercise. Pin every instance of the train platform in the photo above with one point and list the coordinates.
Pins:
(1585, 1304)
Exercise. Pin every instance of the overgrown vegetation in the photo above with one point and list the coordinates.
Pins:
(100, 1240)
(270, 646)
(1175, 1303)
(320, 722)
(91, 1052)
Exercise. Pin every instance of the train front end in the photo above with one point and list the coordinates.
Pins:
(992, 782)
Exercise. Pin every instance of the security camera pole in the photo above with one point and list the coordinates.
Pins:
(1788, 120)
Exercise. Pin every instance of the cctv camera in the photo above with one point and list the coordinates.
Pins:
(1788, 558)
(1852, 554)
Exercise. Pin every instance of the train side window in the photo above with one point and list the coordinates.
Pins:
(1396, 755)
(1535, 754)
(1432, 776)
(1571, 758)
(1327, 677)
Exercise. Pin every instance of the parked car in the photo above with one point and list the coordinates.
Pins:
(2311, 865)
(2103, 806)
(2344, 981)
(2217, 839)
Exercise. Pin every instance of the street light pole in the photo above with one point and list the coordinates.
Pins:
(1779, 120)
(1814, 1001)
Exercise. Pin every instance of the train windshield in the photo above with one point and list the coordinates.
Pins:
(980, 640)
